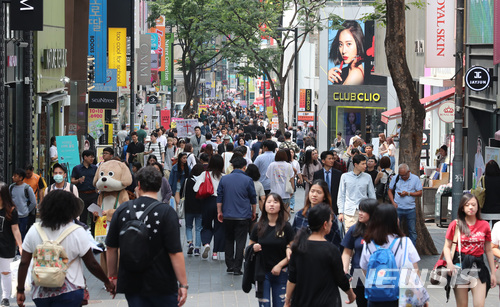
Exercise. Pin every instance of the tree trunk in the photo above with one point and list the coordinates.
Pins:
(413, 112)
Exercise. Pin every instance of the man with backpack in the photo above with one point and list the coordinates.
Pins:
(60, 175)
(152, 271)
(402, 192)
(24, 199)
(155, 148)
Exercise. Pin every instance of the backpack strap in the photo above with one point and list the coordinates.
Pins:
(67, 232)
(11, 187)
(41, 232)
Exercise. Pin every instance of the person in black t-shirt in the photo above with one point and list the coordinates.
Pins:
(271, 237)
(371, 168)
(10, 236)
(164, 281)
(134, 149)
(315, 268)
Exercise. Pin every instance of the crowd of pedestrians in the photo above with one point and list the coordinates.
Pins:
(232, 183)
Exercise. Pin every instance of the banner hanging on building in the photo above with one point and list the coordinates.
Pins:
(160, 31)
(117, 54)
(109, 85)
(26, 15)
(144, 60)
(96, 123)
(167, 73)
(67, 151)
(440, 34)
(165, 118)
(98, 37)
(185, 127)
(496, 33)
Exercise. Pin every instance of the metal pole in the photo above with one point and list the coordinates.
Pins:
(264, 101)
(172, 46)
(295, 81)
(458, 160)
(132, 63)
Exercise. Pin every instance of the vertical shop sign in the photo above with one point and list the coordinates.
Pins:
(144, 60)
(160, 32)
(26, 15)
(308, 101)
(302, 100)
(117, 54)
(167, 73)
(98, 37)
(440, 34)
(96, 123)
(496, 33)
(165, 118)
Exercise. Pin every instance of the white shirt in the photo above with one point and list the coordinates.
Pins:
(411, 252)
(200, 179)
(76, 245)
(191, 160)
(53, 151)
(278, 173)
(162, 140)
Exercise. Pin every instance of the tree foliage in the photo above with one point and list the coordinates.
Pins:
(193, 22)
(250, 26)
(391, 14)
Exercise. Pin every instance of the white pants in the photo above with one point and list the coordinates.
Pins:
(6, 278)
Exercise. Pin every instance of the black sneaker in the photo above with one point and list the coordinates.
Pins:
(230, 270)
(238, 272)
(190, 249)
(197, 252)
(5, 302)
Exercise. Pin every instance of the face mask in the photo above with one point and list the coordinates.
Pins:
(58, 178)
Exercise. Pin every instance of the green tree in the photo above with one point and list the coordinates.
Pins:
(392, 14)
(246, 23)
(193, 22)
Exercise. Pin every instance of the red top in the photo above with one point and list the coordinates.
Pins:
(473, 244)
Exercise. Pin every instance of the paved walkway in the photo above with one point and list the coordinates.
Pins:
(211, 286)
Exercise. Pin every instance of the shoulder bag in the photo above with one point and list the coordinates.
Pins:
(440, 268)
(206, 188)
(480, 192)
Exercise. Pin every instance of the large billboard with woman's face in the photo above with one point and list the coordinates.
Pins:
(355, 94)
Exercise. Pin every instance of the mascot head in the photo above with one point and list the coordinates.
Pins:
(112, 176)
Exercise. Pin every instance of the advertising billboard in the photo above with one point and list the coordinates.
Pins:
(480, 22)
(117, 54)
(98, 37)
(355, 95)
(440, 34)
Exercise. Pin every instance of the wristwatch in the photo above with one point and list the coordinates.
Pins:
(184, 286)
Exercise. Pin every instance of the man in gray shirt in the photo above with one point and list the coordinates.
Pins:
(197, 140)
(354, 186)
(23, 197)
(263, 161)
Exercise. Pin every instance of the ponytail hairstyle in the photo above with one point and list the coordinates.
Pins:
(317, 217)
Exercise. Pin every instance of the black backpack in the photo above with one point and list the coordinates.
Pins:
(382, 188)
(134, 240)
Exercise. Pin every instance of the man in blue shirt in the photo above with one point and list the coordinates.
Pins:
(83, 177)
(263, 161)
(236, 205)
(403, 189)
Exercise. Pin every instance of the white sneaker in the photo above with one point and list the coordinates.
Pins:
(206, 250)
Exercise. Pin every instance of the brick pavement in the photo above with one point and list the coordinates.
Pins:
(211, 286)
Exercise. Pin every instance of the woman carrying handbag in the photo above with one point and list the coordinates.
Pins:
(474, 239)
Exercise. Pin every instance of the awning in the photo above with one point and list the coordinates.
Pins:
(429, 102)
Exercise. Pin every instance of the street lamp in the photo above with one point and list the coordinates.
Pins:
(295, 73)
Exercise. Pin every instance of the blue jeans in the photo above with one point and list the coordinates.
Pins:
(137, 300)
(411, 219)
(292, 201)
(23, 222)
(172, 203)
(196, 217)
(393, 162)
(69, 299)
(276, 284)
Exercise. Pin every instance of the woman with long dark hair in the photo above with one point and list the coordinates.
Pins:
(165, 192)
(211, 227)
(279, 172)
(180, 172)
(318, 194)
(311, 165)
(353, 246)
(347, 49)
(475, 240)
(193, 212)
(492, 186)
(10, 237)
(315, 267)
(270, 237)
(383, 232)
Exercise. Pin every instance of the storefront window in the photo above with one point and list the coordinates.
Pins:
(348, 120)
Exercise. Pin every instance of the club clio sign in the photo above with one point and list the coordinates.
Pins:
(358, 95)
(440, 34)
